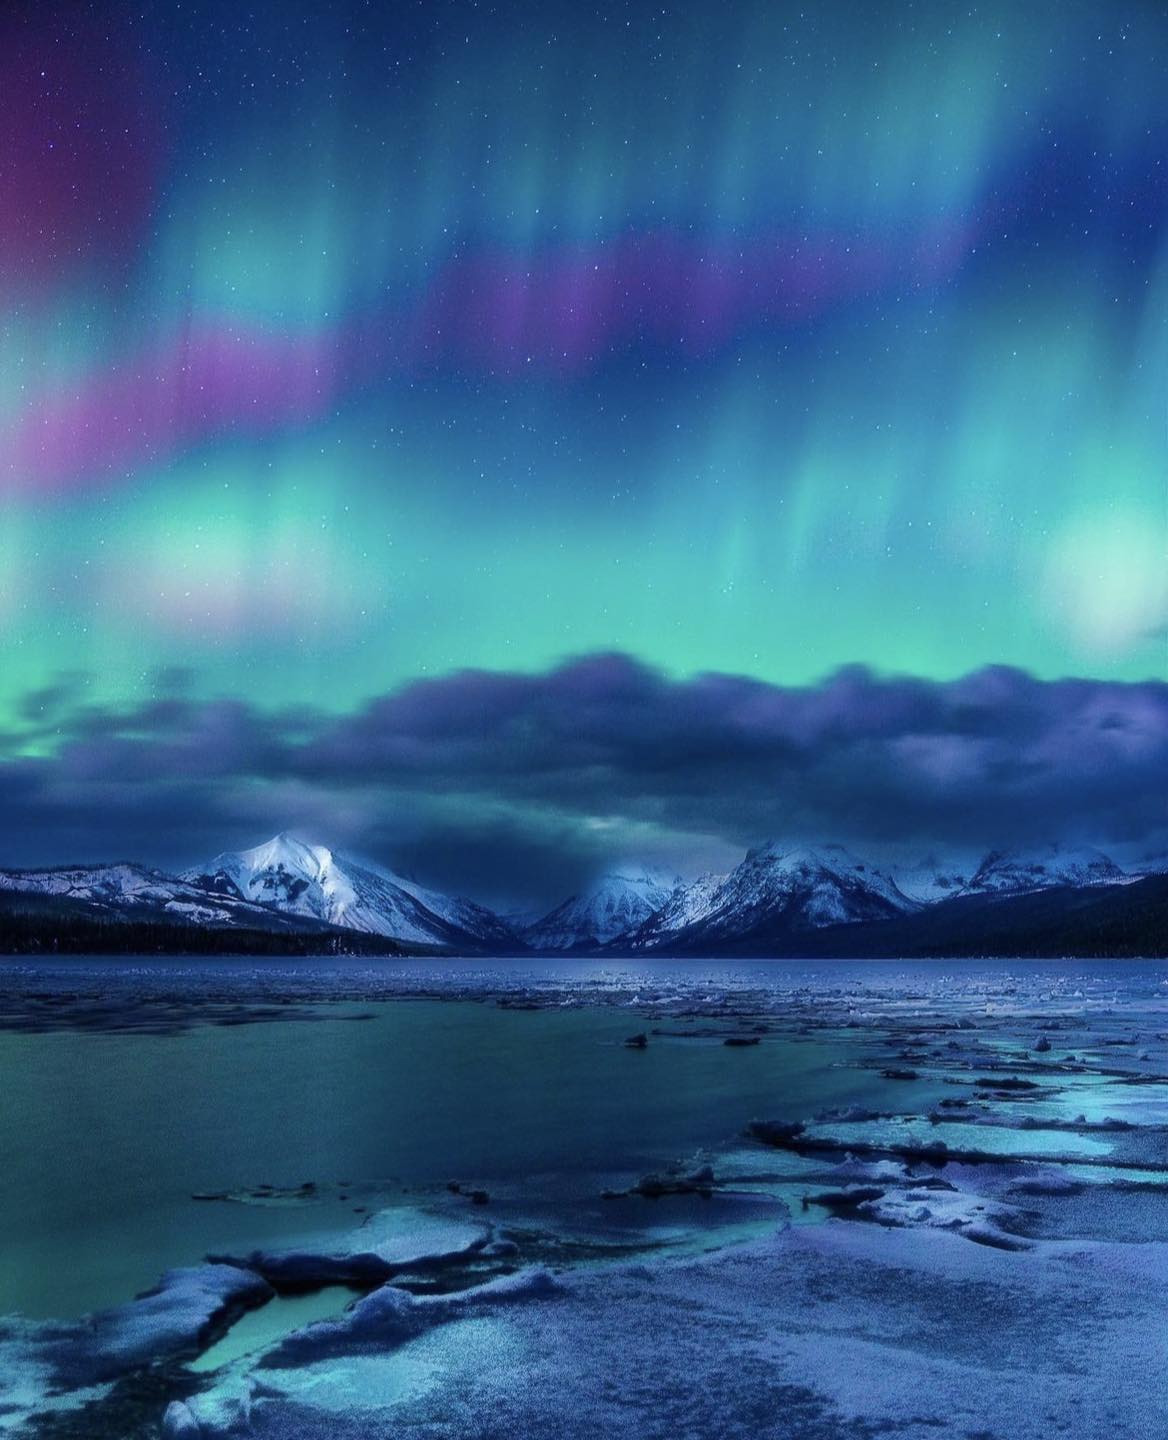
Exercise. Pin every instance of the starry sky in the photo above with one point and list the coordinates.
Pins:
(356, 354)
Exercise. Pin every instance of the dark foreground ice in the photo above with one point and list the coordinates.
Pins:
(978, 1250)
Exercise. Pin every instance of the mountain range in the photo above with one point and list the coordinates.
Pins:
(780, 900)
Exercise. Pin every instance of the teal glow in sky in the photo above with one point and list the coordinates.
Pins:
(338, 349)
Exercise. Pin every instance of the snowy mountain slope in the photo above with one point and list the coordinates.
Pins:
(686, 906)
(619, 901)
(125, 888)
(782, 889)
(467, 917)
(298, 878)
(1018, 872)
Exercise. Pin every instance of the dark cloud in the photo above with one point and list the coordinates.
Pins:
(515, 785)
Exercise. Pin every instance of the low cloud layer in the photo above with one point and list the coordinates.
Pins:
(513, 787)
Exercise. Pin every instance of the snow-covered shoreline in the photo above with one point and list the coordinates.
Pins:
(828, 1331)
(978, 1249)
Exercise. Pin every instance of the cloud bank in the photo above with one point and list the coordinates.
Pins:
(514, 786)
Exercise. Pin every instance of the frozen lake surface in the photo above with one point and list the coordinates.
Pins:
(302, 1122)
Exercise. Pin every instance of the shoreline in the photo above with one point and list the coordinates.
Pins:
(989, 1140)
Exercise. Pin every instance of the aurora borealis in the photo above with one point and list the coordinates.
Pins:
(343, 346)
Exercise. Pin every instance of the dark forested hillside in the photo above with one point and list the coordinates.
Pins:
(39, 925)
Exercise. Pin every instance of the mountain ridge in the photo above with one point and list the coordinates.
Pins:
(780, 899)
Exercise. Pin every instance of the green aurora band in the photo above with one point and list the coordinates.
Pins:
(733, 338)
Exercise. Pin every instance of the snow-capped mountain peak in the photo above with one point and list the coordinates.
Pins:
(836, 886)
(284, 872)
(1016, 872)
(776, 889)
(619, 901)
(285, 850)
(302, 878)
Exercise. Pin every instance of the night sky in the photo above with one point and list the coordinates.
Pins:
(497, 438)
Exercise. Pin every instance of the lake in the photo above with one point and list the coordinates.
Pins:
(130, 1086)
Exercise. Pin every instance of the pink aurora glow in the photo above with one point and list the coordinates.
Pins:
(565, 312)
